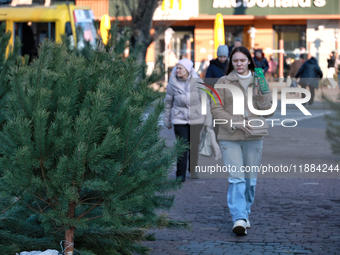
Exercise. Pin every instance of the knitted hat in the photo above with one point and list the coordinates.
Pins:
(186, 63)
(222, 50)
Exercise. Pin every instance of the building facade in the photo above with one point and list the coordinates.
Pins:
(289, 26)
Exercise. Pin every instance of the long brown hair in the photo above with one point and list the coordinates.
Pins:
(246, 52)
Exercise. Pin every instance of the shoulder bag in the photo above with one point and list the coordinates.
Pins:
(259, 126)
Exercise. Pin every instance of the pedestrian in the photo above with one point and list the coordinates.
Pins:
(170, 60)
(287, 61)
(239, 147)
(237, 43)
(182, 56)
(202, 69)
(294, 68)
(183, 110)
(272, 67)
(218, 66)
(260, 61)
(331, 70)
(217, 69)
(337, 69)
(309, 74)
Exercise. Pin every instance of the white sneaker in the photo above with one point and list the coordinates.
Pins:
(240, 227)
(248, 224)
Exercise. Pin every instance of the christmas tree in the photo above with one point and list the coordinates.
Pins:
(19, 229)
(81, 154)
(333, 124)
(9, 57)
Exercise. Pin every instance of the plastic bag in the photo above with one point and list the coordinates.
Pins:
(208, 144)
(47, 252)
(204, 146)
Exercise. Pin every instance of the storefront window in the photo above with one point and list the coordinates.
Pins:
(294, 44)
(182, 43)
(294, 39)
(181, 46)
(231, 32)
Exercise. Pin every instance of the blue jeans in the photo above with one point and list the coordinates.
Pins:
(339, 79)
(241, 193)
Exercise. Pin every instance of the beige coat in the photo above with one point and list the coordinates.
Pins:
(225, 112)
(183, 101)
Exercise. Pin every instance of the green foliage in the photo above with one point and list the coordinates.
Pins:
(19, 229)
(6, 63)
(80, 153)
(333, 124)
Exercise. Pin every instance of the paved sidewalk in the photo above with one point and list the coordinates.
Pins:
(297, 213)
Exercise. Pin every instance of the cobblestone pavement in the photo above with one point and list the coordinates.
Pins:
(297, 213)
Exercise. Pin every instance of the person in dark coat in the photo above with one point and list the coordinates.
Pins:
(309, 74)
(331, 70)
(294, 68)
(237, 43)
(217, 69)
(337, 69)
(218, 66)
(260, 60)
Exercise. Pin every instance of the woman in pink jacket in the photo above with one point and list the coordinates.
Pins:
(183, 111)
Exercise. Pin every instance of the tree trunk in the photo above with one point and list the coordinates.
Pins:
(69, 233)
(69, 239)
(141, 24)
(141, 55)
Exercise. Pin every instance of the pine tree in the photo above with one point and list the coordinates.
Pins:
(6, 62)
(80, 153)
(333, 124)
(19, 230)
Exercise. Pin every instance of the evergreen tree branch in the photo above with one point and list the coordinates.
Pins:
(35, 199)
(89, 210)
(90, 198)
(40, 213)
(6, 209)
(131, 154)
(29, 206)
(42, 170)
(93, 218)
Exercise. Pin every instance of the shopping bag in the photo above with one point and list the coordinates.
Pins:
(208, 144)
(214, 144)
(204, 146)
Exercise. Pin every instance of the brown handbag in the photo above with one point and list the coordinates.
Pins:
(259, 126)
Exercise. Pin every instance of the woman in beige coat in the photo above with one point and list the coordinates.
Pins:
(240, 148)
